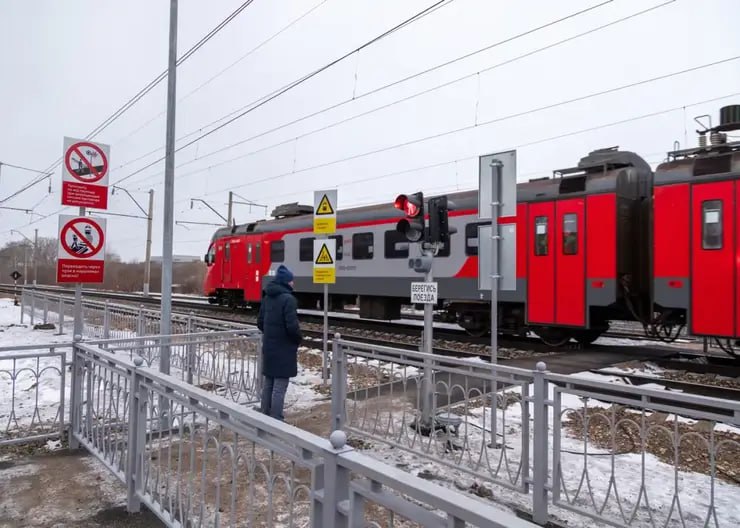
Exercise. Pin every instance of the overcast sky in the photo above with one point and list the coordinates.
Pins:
(67, 65)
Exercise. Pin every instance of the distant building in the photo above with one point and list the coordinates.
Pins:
(178, 258)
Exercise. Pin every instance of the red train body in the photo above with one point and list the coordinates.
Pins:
(606, 240)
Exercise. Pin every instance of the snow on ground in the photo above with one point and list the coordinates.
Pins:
(615, 481)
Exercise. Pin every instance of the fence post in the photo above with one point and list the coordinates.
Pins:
(61, 315)
(190, 347)
(75, 394)
(540, 459)
(46, 309)
(23, 303)
(335, 484)
(136, 432)
(140, 322)
(338, 384)
(106, 320)
(33, 306)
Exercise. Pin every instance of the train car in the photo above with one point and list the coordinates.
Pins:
(696, 238)
(576, 253)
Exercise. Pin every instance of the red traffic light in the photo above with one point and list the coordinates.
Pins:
(407, 205)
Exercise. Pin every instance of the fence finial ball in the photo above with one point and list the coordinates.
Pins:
(338, 439)
(138, 361)
(541, 367)
(77, 337)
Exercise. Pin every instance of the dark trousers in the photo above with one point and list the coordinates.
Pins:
(273, 396)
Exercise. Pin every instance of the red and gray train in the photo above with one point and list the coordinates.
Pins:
(607, 240)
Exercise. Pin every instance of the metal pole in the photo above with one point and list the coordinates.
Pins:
(79, 323)
(325, 355)
(229, 217)
(35, 256)
(169, 194)
(25, 263)
(496, 173)
(148, 258)
(427, 382)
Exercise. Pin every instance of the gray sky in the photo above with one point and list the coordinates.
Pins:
(67, 65)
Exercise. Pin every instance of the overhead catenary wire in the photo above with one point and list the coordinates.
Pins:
(286, 88)
(21, 167)
(266, 98)
(403, 99)
(458, 130)
(522, 145)
(138, 96)
(227, 68)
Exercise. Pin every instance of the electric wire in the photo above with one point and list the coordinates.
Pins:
(280, 91)
(403, 99)
(136, 98)
(466, 128)
(264, 99)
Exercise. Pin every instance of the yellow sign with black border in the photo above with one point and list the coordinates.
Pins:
(324, 261)
(325, 212)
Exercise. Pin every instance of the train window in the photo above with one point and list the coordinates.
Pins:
(711, 224)
(340, 245)
(396, 245)
(471, 238)
(227, 251)
(211, 255)
(570, 234)
(258, 253)
(277, 251)
(305, 250)
(540, 236)
(249, 253)
(362, 246)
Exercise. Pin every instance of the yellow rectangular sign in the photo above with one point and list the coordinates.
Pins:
(324, 276)
(324, 225)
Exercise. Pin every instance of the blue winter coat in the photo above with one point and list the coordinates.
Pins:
(278, 321)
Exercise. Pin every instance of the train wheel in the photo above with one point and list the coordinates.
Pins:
(477, 332)
(554, 337)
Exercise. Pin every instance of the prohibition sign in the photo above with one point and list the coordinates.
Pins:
(86, 171)
(77, 231)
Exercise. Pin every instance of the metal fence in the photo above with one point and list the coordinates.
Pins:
(106, 320)
(33, 392)
(559, 446)
(197, 459)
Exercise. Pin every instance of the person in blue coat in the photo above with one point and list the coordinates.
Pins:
(278, 322)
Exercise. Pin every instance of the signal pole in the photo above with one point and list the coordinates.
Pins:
(35, 256)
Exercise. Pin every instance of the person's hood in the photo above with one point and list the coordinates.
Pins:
(276, 288)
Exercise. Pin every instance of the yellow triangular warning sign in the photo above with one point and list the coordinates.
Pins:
(324, 207)
(324, 256)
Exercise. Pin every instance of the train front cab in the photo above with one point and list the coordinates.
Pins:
(582, 245)
(696, 240)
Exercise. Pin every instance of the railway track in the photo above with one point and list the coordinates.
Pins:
(520, 352)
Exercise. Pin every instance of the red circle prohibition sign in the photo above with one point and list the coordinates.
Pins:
(93, 174)
(93, 249)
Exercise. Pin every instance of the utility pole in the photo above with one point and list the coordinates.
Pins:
(148, 264)
(231, 206)
(35, 256)
(169, 194)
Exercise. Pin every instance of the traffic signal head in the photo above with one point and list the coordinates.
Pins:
(439, 228)
(412, 206)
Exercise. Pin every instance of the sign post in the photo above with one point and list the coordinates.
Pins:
(497, 201)
(81, 254)
(324, 257)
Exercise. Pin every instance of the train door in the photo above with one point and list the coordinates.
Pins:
(714, 288)
(570, 263)
(226, 265)
(541, 269)
(253, 280)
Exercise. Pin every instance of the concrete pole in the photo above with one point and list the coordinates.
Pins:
(229, 217)
(25, 263)
(35, 256)
(169, 193)
(148, 259)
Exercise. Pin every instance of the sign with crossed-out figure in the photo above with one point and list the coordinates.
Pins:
(81, 251)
